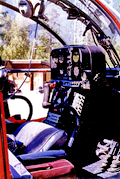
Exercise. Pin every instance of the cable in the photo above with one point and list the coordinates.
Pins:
(27, 73)
(29, 104)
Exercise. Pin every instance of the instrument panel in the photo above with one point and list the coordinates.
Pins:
(71, 64)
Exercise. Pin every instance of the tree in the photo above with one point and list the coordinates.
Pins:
(42, 51)
(17, 45)
(4, 21)
(46, 41)
(44, 45)
(16, 42)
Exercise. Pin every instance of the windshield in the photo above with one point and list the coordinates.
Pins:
(72, 21)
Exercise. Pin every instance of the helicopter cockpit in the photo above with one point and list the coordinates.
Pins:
(78, 97)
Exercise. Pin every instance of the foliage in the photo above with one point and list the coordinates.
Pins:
(46, 41)
(44, 46)
(16, 42)
(118, 49)
(1, 50)
(4, 21)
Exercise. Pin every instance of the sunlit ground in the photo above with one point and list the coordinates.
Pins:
(19, 106)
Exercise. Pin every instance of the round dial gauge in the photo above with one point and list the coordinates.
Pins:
(76, 71)
(61, 59)
(76, 57)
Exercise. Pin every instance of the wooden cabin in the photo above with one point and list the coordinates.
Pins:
(38, 75)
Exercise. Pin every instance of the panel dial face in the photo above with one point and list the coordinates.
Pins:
(76, 57)
(76, 64)
(61, 59)
(76, 71)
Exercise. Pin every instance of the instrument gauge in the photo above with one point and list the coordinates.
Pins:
(76, 57)
(76, 71)
(61, 59)
(61, 72)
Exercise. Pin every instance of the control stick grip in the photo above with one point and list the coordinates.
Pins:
(46, 97)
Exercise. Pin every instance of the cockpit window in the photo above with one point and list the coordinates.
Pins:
(72, 21)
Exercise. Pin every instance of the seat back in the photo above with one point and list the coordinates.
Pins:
(38, 136)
